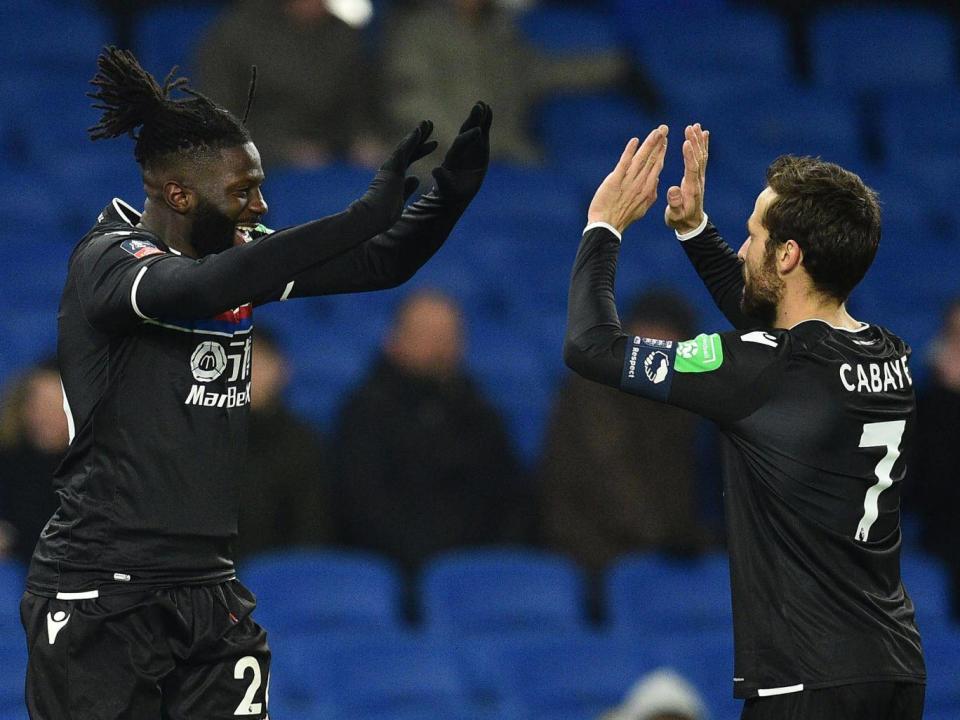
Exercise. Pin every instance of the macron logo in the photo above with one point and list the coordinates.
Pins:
(56, 623)
(760, 337)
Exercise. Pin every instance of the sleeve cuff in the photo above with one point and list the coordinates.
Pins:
(696, 231)
(607, 226)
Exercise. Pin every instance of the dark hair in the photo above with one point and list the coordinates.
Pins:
(131, 98)
(832, 216)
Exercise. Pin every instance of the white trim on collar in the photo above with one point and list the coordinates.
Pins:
(863, 325)
(124, 209)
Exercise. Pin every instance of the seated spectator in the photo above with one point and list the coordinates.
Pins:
(426, 461)
(933, 480)
(286, 482)
(660, 695)
(443, 55)
(618, 474)
(33, 440)
(316, 95)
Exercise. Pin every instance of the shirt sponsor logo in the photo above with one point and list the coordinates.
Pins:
(140, 248)
(876, 376)
(208, 361)
(232, 398)
(702, 354)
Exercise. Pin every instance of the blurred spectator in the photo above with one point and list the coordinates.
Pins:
(316, 94)
(660, 695)
(287, 479)
(33, 440)
(936, 463)
(618, 472)
(427, 464)
(443, 55)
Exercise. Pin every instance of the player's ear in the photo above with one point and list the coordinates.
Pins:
(178, 198)
(789, 256)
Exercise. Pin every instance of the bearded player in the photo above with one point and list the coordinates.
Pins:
(818, 408)
(132, 609)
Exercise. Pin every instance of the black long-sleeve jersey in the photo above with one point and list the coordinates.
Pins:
(820, 419)
(155, 354)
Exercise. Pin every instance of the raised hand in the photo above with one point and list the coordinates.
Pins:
(465, 163)
(627, 193)
(413, 147)
(684, 211)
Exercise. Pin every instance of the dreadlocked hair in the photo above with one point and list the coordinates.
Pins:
(131, 98)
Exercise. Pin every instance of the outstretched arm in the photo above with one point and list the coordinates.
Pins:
(716, 262)
(394, 256)
(123, 285)
(594, 342)
(722, 377)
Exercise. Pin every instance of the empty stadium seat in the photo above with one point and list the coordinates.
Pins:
(869, 49)
(918, 122)
(489, 590)
(59, 37)
(568, 30)
(168, 35)
(308, 591)
(399, 673)
(650, 595)
(734, 48)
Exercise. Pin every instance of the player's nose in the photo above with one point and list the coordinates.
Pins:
(742, 252)
(258, 203)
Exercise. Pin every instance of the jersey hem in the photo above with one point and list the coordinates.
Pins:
(118, 588)
(742, 693)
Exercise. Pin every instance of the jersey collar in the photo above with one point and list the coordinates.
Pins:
(120, 211)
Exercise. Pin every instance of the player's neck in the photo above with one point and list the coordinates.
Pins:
(800, 304)
(168, 229)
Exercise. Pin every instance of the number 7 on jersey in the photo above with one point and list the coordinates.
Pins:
(887, 435)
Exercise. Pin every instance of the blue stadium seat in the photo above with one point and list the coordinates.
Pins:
(486, 590)
(296, 196)
(169, 35)
(567, 30)
(735, 48)
(918, 123)
(13, 666)
(649, 595)
(868, 49)
(314, 590)
(59, 37)
(580, 679)
(941, 651)
(925, 581)
(399, 673)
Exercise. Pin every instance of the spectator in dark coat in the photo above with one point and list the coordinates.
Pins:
(426, 461)
(618, 474)
(33, 439)
(317, 96)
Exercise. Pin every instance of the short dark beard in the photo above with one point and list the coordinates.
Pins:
(212, 231)
(761, 295)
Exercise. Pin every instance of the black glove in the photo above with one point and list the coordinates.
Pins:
(390, 190)
(465, 164)
(413, 147)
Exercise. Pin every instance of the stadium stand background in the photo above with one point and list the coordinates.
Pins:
(879, 94)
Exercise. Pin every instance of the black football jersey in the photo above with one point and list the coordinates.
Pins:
(157, 411)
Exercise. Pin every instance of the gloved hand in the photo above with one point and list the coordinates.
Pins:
(465, 165)
(390, 189)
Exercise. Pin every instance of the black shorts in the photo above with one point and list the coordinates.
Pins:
(861, 701)
(179, 653)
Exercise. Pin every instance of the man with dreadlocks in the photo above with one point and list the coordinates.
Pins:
(132, 609)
